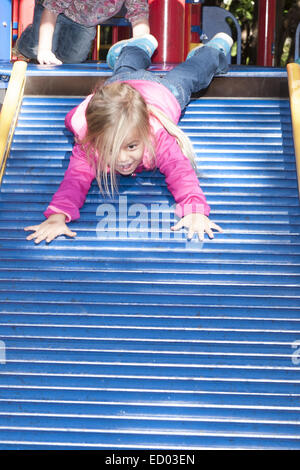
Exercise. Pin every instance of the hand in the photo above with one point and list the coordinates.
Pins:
(140, 29)
(197, 223)
(46, 57)
(46, 31)
(49, 229)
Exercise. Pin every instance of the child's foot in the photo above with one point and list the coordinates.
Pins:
(221, 41)
(16, 54)
(148, 43)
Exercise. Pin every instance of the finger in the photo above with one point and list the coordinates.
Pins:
(216, 227)
(200, 234)
(49, 238)
(37, 232)
(54, 60)
(41, 233)
(55, 234)
(177, 226)
(31, 227)
(209, 232)
(39, 238)
(38, 235)
(190, 234)
(51, 235)
(70, 233)
(49, 61)
(31, 236)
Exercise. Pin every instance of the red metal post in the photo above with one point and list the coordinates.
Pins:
(167, 24)
(266, 32)
(115, 34)
(15, 19)
(26, 9)
(15, 25)
(187, 28)
(124, 32)
(96, 46)
(196, 21)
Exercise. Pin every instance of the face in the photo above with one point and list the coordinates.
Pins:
(131, 154)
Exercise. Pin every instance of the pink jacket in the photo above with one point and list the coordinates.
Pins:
(181, 179)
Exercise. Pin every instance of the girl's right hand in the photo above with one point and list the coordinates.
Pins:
(46, 32)
(46, 57)
(49, 229)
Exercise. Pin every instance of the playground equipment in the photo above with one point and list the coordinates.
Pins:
(5, 30)
(9, 112)
(167, 20)
(194, 21)
(266, 32)
(297, 42)
(294, 90)
(26, 9)
(214, 20)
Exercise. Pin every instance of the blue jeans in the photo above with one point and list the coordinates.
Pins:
(186, 78)
(71, 41)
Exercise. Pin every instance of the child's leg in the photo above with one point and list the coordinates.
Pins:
(131, 59)
(72, 41)
(147, 43)
(195, 73)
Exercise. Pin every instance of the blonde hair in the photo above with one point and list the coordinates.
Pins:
(113, 111)
(182, 139)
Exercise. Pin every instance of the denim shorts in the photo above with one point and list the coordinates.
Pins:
(184, 79)
(71, 41)
(147, 76)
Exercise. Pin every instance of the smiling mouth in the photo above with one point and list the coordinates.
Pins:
(126, 168)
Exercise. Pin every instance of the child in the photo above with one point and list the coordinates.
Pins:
(64, 30)
(129, 125)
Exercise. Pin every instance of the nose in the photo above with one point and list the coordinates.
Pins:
(123, 158)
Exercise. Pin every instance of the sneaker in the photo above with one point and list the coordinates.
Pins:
(17, 55)
(221, 41)
(148, 43)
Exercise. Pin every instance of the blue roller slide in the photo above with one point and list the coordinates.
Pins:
(131, 337)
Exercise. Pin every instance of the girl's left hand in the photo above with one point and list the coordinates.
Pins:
(197, 223)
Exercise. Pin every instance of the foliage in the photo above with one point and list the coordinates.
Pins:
(246, 12)
(243, 10)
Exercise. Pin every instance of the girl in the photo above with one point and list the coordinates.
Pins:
(64, 30)
(128, 125)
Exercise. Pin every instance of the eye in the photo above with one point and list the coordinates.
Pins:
(132, 146)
